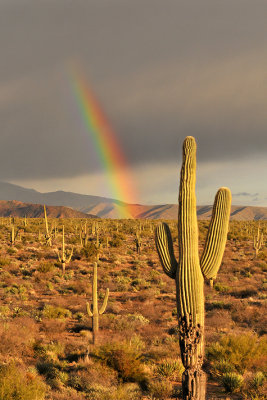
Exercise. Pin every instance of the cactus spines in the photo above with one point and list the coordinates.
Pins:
(190, 271)
(258, 241)
(65, 256)
(93, 311)
(48, 238)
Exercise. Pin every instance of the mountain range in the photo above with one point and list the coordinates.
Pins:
(82, 205)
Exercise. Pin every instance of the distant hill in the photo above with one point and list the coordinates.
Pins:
(238, 213)
(15, 208)
(109, 208)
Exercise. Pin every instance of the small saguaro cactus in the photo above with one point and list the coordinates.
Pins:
(93, 310)
(189, 271)
(48, 238)
(258, 241)
(66, 255)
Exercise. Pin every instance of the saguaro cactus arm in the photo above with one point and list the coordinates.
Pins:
(217, 234)
(69, 254)
(164, 246)
(105, 302)
(88, 308)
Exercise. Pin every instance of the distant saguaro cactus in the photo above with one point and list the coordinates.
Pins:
(138, 243)
(48, 238)
(190, 271)
(258, 241)
(84, 235)
(12, 235)
(65, 256)
(93, 311)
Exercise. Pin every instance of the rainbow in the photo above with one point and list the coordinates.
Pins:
(106, 144)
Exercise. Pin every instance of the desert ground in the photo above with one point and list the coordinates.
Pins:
(47, 349)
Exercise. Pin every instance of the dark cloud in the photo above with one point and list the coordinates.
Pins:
(162, 70)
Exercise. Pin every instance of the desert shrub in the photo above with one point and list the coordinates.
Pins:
(244, 293)
(218, 305)
(80, 316)
(124, 358)
(95, 375)
(221, 288)
(138, 318)
(243, 352)
(48, 369)
(262, 266)
(79, 287)
(4, 312)
(160, 390)
(11, 251)
(90, 251)
(51, 350)
(52, 312)
(129, 391)
(17, 383)
(248, 315)
(96, 392)
(257, 380)
(117, 240)
(16, 337)
(4, 261)
(170, 369)
(18, 290)
(222, 367)
(232, 382)
(46, 267)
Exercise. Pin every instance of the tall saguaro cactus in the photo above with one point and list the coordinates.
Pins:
(190, 270)
(93, 311)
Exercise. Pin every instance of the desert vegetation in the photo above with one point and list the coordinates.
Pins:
(46, 346)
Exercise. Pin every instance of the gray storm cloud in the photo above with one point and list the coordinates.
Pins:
(161, 70)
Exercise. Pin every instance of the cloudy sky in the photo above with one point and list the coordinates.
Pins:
(161, 69)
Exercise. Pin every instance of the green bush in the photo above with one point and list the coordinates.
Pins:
(160, 390)
(17, 383)
(129, 391)
(222, 367)
(221, 288)
(46, 267)
(52, 312)
(4, 261)
(90, 251)
(242, 352)
(125, 359)
(170, 369)
(117, 240)
(232, 382)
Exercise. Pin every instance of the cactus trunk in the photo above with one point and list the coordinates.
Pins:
(189, 279)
